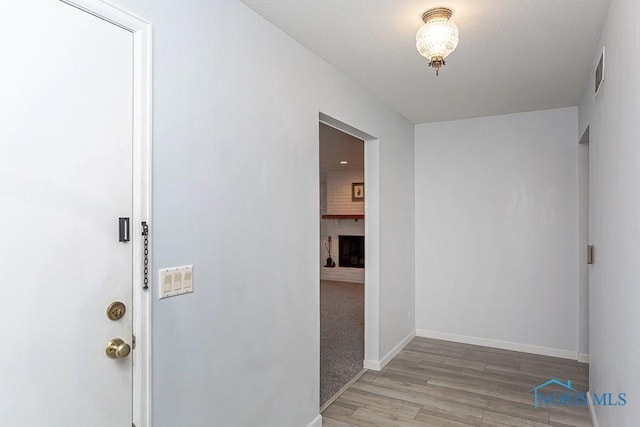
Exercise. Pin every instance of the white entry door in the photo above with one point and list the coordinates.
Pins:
(66, 124)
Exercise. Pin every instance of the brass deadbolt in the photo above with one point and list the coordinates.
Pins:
(116, 310)
(117, 349)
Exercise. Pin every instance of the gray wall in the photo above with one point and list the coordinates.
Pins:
(614, 174)
(235, 169)
(496, 236)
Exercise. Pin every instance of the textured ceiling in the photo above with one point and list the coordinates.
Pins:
(513, 55)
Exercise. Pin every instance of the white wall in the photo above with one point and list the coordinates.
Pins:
(614, 174)
(397, 234)
(339, 201)
(496, 228)
(235, 168)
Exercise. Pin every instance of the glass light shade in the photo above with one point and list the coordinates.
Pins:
(437, 38)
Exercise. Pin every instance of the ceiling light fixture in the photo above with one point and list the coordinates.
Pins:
(437, 37)
(343, 162)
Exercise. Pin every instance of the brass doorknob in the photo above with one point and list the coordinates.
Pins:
(117, 349)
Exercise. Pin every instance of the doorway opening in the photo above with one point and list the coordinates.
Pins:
(342, 259)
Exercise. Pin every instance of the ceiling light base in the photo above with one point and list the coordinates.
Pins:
(438, 12)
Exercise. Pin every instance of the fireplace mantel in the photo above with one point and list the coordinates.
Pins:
(356, 217)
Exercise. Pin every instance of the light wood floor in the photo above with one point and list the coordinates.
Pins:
(438, 383)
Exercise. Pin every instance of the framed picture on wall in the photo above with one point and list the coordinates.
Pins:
(357, 192)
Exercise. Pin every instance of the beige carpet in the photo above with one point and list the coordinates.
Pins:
(341, 335)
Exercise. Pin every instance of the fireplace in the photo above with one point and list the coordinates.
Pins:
(351, 251)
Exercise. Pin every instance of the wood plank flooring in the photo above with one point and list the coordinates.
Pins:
(443, 384)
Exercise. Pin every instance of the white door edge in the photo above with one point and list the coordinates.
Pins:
(142, 133)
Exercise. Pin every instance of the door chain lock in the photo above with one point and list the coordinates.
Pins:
(145, 233)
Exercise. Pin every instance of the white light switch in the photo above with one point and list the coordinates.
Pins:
(186, 281)
(166, 283)
(175, 281)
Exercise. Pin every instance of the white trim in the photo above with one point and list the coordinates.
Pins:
(372, 249)
(374, 365)
(592, 410)
(316, 422)
(377, 365)
(583, 358)
(142, 116)
(111, 13)
(504, 345)
(343, 127)
(344, 388)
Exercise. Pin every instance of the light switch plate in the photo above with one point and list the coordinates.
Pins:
(175, 281)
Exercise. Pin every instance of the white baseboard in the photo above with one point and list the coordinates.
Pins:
(374, 365)
(504, 345)
(592, 410)
(317, 422)
(583, 358)
(377, 365)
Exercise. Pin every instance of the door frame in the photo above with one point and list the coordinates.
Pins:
(142, 134)
(371, 242)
